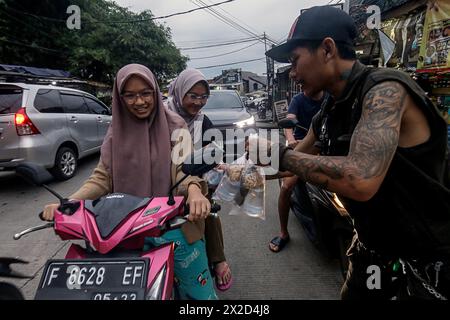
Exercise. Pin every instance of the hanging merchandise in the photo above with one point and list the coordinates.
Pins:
(434, 51)
(406, 32)
(387, 46)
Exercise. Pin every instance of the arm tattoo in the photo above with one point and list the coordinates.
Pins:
(372, 146)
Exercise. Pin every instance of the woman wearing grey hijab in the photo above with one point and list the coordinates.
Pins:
(188, 93)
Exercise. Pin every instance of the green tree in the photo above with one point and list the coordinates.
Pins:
(97, 51)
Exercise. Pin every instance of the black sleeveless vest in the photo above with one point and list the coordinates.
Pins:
(409, 216)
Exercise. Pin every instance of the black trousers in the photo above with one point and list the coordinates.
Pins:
(368, 276)
(363, 283)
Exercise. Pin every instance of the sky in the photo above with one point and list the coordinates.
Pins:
(200, 28)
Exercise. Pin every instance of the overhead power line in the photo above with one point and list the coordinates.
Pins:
(229, 64)
(212, 41)
(237, 19)
(220, 44)
(183, 12)
(230, 21)
(224, 54)
(226, 20)
(21, 21)
(128, 21)
(17, 43)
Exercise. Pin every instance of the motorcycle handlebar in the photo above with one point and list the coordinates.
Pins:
(181, 220)
(49, 224)
(17, 236)
(178, 221)
(215, 207)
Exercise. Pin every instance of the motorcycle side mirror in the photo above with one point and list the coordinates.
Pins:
(203, 160)
(33, 173)
(290, 123)
(287, 123)
(37, 175)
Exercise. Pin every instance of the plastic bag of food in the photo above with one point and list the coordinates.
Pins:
(251, 196)
(243, 184)
(229, 184)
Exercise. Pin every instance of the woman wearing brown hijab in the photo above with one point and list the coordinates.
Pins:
(188, 93)
(136, 159)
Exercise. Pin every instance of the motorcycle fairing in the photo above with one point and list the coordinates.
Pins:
(129, 233)
(110, 210)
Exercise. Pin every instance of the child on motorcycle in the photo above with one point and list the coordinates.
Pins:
(136, 159)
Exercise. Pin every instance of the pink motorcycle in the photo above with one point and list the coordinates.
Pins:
(112, 265)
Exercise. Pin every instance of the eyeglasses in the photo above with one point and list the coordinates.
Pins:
(193, 96)
(131, 98)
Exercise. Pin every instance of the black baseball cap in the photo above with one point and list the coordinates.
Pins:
(316, 23)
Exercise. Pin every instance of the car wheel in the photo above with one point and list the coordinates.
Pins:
(313, 225)
(65, 164)
(307, 211)
(9, 292)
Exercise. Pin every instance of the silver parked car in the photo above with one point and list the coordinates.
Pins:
(51, 126)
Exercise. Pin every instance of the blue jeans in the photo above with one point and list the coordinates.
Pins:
(192, 277)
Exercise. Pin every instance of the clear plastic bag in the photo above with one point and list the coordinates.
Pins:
(243, 184)
(251, 196)
(213, 178)
(230, 183)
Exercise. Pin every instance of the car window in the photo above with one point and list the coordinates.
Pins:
(95, 106)
(10, 100)
(48, 101)
(73, 103)
(223, 100)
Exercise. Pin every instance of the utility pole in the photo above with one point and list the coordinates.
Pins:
(265, 43)
(270, 78)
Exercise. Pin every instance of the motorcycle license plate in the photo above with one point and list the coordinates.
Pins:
(94, 279)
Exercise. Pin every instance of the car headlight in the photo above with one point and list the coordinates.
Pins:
(244, 123)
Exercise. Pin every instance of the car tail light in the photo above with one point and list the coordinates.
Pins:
(24, 126)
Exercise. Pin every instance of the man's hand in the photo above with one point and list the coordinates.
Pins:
(292, 143)
(264, 152)
(199, 205)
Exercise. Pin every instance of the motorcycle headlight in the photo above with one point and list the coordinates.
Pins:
(156, 291)
(244, 123)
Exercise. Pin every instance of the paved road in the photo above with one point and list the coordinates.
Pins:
(298, 272)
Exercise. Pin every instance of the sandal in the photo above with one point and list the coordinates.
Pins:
(224, 286)
(279, 242)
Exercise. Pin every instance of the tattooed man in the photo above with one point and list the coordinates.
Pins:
(381, 145)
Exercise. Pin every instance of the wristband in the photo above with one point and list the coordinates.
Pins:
(282, 149)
